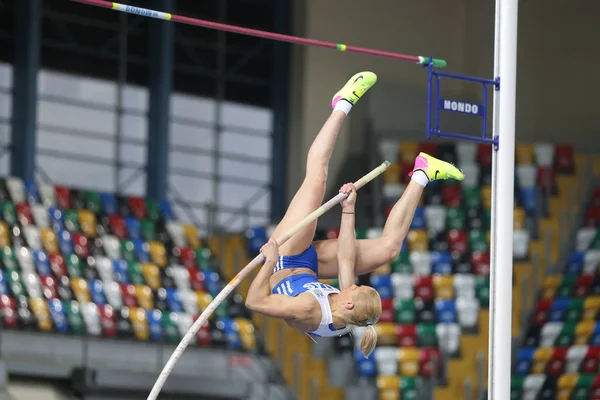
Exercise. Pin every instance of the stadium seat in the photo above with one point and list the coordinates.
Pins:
(405, 309)
(441, 262)
(467, 311)
(191, 235)
(466, 153)
(452, 195)
(421, 263)
(386, 360)
(158, 253)
(541, 357)
(544, 154)
(482, 290)
(448, 337)
(430, 360)
(417, 241)
(524, 360)
(408, 361)
(108, 320)
(91, 318)
(521, 244)
(524, 154)
(455, 219)
(444, 287)
(445, 311)
(435, 218)
(564, 159)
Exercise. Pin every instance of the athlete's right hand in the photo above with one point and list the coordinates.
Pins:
(350, 190)
(270, 251)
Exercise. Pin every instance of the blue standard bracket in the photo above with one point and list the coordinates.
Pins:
(450, 105)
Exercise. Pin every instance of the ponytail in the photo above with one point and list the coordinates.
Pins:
(369, 340)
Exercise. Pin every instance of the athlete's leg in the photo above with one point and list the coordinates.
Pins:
(310, 195)
(372, 253)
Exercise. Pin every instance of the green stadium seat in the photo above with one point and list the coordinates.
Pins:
(583, 388)
(409, 387)
(203, 257)
(135, 272)
(9, 260)
(9, 214)
(478, 241)
(455, 219)
(152, 209)
(404, 311)
(169, 323)
(16, 284)
(148, 229)
(74, 266)
(401, 264)
(482, 290)
(92, 201)
(567, 286)
(426, 335)
(517, 385)
(71, 220)
(567, 335)
(487, 219)
(472, 197)
(74, 316)
(128, 251)
(596, 241)
(575, 310)
(361, 233)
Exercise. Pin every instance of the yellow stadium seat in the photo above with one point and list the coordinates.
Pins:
(81, 290)
(41, 312)
(389, 387)
(191, 235)
(392, 174)
(88, 222)
(409, 361)
(540, 359)
(247, 333)
(143, 294)
(386, 333)
(158, 253)
(444, 286)
(408, 151)
(524, 154)
(583, 331)
(204, 299)
(519, 219)
(486, 196)
(151, 275)
(139, 323)
(590, 308)
(550, 285)
(566, 384)
(49, 241)
(4, 234)
(418, 240)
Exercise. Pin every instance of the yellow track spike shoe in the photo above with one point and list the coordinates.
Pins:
(436, 169)
(355, 88)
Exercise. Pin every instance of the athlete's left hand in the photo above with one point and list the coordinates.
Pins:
(270, 251)
(350, 201)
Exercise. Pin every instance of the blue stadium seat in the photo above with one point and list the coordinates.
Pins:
(166, 210)
(174, 301)
(383, 285)
(441, 262)
(120, 271)
(365, 365)
(256, 237)
(42, 264)
(595, 339)
(232, 334)
(97, 292)
(109, 203)
(58, 314)
(212, 282)
(418, 221)
(559, 309)
(154, 318)
(142, 250)
(64, 242)
(134, 228)
(56, 219)
(524, 360)
(3, 284)
(529, 196)
(446, 311)
(32, 193)
(575, 263)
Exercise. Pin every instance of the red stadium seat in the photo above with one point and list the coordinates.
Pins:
(484, 155)
(430, 148)
(63, 197)
(333, 233)
(128, 294)
(108, 320)
(203, 333)
(424, 287)
(546, 178)
(137, 205)
(196, 279)
(584, 284)
(8, 310)
(542, 310)
(49, 287)
(80, 244)
(589, 365)
(564, 159)
(481, 263)
(458, 241)
(430, 360)
(556, 365)
(407, 335)
(117, 226)
(452, 196)
(24, 214)
(187, 256)
(596, 198)
(57, 264)
(387, 310)
(592, 217)
(406, 169)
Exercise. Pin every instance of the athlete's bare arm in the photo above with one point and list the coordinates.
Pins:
(346, 253)
(260, 298)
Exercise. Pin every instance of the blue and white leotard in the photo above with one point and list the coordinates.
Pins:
(297, 284)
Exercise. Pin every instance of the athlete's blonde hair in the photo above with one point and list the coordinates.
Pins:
(366, 312)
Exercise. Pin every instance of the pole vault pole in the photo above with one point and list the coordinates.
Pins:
(438, 63)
